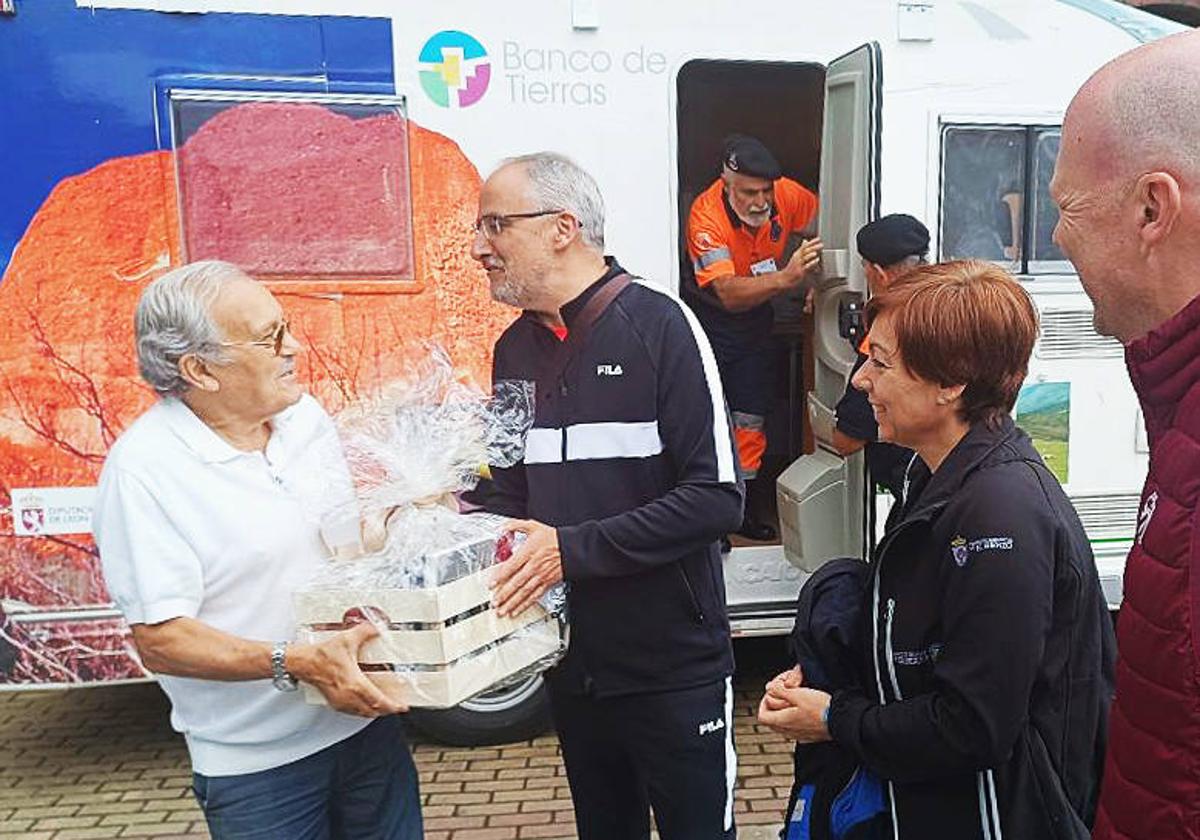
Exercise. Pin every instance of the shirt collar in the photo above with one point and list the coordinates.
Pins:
(1164, 364)
(929, 492)
(209, 446)
(571, 309)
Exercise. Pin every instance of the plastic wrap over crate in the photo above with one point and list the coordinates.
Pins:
(407, 561)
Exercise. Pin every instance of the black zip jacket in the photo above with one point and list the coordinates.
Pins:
(827, 643)
(993, 652)
(631, 458)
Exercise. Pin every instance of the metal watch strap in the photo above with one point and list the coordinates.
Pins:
(280, 677)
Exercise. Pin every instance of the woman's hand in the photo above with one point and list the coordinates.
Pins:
(794, 711)
(788, 679)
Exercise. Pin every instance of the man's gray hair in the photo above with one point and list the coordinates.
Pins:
(174, 319)
(911, 261)
(559, 183)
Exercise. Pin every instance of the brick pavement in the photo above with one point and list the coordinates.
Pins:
(104, 762)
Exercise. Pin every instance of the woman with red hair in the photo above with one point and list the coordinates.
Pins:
(988, 672)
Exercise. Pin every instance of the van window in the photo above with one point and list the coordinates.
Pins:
(995, 201)
(294, 186)
(1045, 257)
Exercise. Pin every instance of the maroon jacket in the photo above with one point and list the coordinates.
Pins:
(1152, 774)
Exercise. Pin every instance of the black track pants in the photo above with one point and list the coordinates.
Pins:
(671, 751)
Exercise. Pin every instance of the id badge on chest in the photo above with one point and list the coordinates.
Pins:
(763, 267)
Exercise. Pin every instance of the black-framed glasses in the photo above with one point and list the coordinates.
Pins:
(273, 341)
(493, 224)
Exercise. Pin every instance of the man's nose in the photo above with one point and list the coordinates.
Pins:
(480, 247)
(290, 345)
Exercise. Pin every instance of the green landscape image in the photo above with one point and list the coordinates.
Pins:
(1044, 411)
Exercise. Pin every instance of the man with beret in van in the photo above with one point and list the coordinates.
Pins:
(889, 247)
(738, 232)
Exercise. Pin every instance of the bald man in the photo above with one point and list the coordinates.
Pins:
(1128, 188)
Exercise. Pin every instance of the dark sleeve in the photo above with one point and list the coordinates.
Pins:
(996, 614)
(504, 493)
(853, 415)
(706, 501)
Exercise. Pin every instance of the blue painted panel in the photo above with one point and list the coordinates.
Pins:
(1141, 25)
(77, 86)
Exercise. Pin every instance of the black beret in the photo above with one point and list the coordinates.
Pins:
(748, 156)
(888, 240)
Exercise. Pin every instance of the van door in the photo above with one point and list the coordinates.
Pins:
(822, 510)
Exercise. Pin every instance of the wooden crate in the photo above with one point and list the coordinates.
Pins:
(458, 649)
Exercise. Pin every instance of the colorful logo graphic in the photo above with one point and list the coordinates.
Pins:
(32, 517)
(454, 69)
(958, 549)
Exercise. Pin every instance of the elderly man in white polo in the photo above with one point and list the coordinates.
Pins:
(205, 524)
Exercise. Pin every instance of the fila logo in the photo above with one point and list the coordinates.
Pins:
(715, 725)
(609, 370)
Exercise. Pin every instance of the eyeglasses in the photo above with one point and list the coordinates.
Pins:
(274, 341)
(493, 224)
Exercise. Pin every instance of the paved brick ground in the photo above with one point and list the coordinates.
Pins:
(105, 763)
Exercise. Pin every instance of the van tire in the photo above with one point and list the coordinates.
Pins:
(516, 713)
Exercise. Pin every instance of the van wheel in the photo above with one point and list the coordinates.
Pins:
(515, 713)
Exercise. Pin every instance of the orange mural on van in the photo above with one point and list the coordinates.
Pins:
(361, 223)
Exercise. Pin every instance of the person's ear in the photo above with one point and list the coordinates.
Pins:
(1159, 205)
(950, 394)
(566, 230)
(195, 372)
(876, 276)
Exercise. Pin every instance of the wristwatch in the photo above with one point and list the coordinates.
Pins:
(280, 678)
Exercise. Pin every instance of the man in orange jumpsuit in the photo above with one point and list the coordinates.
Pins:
(738, 232)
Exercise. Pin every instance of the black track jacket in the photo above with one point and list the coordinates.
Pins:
(631, 458)
(993, 650)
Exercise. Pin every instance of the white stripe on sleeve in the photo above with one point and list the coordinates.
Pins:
(722, 438)
(593, 442)
(590, 441)
(543, 446)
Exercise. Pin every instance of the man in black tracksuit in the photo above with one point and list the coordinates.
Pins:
(629, 480)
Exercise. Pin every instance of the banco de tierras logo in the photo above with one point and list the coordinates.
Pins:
(455, 70)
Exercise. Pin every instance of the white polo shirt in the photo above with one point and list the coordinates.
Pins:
(187, 525)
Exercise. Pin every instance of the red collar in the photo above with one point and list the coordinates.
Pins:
(1164, 364)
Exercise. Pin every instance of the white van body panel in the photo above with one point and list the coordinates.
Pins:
(606, 94)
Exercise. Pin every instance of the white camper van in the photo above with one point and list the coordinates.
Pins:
(946, 110)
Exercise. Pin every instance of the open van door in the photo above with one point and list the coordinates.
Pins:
(822, 510)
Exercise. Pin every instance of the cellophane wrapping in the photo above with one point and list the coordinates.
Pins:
(405, 559)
